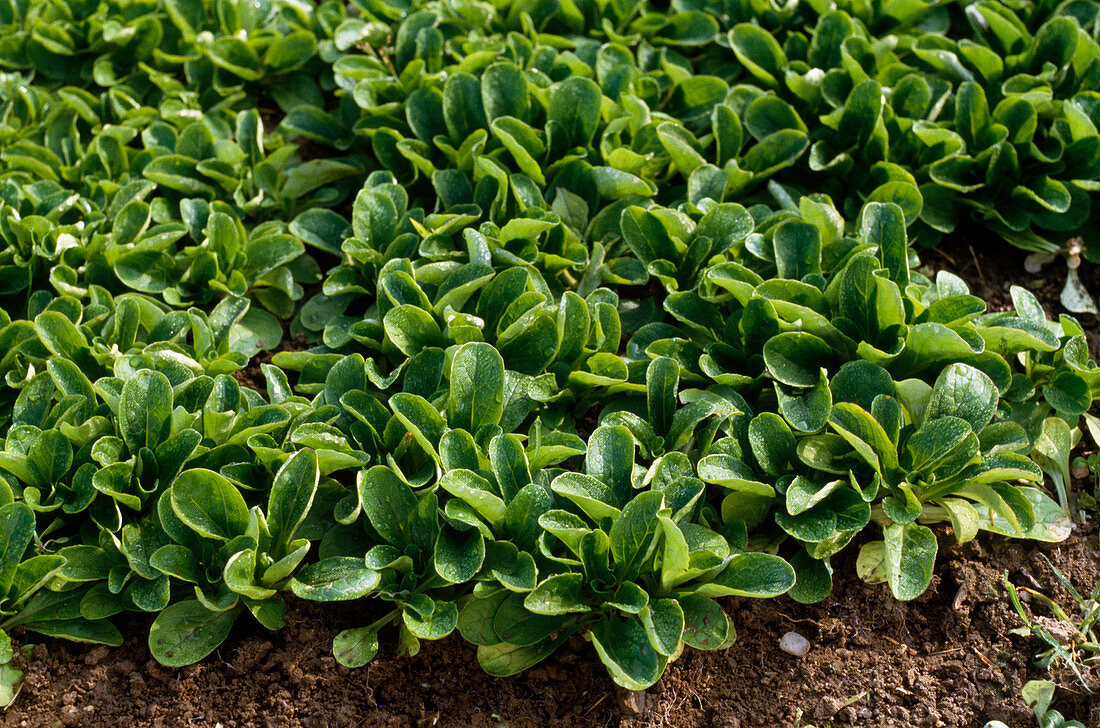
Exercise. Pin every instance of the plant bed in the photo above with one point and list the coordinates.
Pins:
(946, 658)
(670, 355)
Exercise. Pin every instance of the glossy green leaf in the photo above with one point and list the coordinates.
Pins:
(186, 632)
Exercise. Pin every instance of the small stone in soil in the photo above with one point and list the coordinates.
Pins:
(794, 644)
(828, 707)
(633, 702)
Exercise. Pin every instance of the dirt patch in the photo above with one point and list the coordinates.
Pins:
(289, 679)
(945, 659)
(991, 267)
(252, 376)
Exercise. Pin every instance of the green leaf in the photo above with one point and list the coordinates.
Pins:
(510, 465)
(633, 533)
(16, 532)
(664, 624)
(145, 409)
(476, 396)
(759, 52)
(186, 632)
(814, 578)
(412, 329)
(706, 625)
(1068, 393)
(797, 248)
(1051, 524)
(910, 558)
(730, 472)
(256, 331)
(772, 442)
(883, 225)
(610, 459)
(514, 624)
(50, 458)
(751, 575)
(292, 495)
(237, 57)
(530, 344)
(458, 554)
(559, 594)
(871, 563)
(594, 497)
(865, 435)
(178, 561)
(84, 563)
(807, 410)
(575, 108)
(96, 632)
(209, 504)
(463, 112)
(625, 650)
(290, 51)
(435, 625)
(504, 91)
(662, 384)
(239, 575)
(504, 659)
(965, 392)
(337, 578)
(355, 647)
(11, 680)
(388, 503)
(477, 492)
(176, 172)
(420, 418)
(796, 358)
(937, 441)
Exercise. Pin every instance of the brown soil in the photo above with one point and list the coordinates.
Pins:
(945, 659)
(991, 267)
(289, 678)
(253, 377)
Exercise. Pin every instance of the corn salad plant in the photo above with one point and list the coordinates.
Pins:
(577, 317)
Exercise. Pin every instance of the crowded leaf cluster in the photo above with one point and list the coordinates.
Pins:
(587, 313)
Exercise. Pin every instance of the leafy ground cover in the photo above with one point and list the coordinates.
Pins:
(608, 312)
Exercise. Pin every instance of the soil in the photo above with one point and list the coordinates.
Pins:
(945, 659)
(253, 377)
(991, 267)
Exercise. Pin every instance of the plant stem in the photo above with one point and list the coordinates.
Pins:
(384, 620)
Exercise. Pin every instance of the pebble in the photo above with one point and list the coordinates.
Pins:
(794, 644)
(994, 724)
(633, 702)
(70, 715)
(828, 707)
